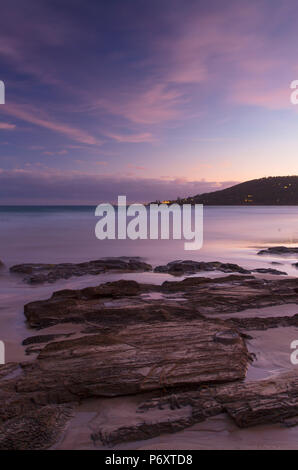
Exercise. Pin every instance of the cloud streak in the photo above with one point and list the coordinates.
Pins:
(31, 115)
(132, 138)
(6, 126)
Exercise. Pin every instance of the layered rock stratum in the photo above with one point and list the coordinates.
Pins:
(174, 342)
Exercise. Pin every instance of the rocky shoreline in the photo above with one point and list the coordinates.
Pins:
(37, 273)
(172, 346)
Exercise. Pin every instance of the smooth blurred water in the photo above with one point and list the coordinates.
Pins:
(67, 234)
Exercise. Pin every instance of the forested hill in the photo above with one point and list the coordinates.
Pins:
(279, 190)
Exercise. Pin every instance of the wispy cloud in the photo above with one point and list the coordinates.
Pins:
(132, 138)
(136, 167)
(58, 152)
(33, 116)
(151, 106)
(7, 127)
(257, 93)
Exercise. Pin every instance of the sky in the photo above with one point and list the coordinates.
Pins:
(150, 99)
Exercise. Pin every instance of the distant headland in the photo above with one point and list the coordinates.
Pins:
(277, 190)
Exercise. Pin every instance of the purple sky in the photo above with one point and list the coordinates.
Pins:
(152, 99)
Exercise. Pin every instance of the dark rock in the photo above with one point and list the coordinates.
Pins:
(226, 337)
(121, 303)
(234, 295)
(190, 282)
(269, 271)
(34, 349)
(179, 268)
(146, 430)
(279, 250)
(39, 273)
(44, 338)
(111, 289)
(272, 400)
(37, 429)
(264, 323)
(76, 306)
(268, 401)
(8, 369)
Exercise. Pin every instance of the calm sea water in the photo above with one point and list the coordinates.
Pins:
(67, 234)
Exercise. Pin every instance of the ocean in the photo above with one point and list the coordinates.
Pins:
(56, 234)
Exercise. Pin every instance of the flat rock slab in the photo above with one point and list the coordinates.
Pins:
(268, 401)
(34, 398)
(139, 358)
(234, 293)
(263, 323)
(120, 303)
(112, 304)
(37, 273)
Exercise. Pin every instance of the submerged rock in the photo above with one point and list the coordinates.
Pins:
(279, 250)
(39, 273)
(269, 271)
(102, 304)
(121, 303)
(180, 268)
